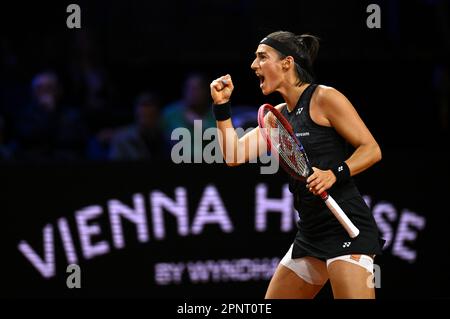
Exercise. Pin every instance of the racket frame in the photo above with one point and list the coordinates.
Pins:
(351, 229)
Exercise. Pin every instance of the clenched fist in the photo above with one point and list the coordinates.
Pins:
(221, 89)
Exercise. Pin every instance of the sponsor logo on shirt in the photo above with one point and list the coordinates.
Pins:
(302, 134)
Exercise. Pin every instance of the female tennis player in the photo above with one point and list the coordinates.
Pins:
(324, 121)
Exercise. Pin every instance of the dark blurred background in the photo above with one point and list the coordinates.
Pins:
(75, 99)
(67, 93)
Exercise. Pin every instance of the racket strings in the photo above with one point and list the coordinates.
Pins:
(285, 144)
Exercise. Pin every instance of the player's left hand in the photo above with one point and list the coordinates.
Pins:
(320, 181)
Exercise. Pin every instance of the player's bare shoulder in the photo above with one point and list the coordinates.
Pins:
(330, 105)
(323, 104)
(324, 94)
(327, 99)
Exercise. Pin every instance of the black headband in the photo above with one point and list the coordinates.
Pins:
(280, 47)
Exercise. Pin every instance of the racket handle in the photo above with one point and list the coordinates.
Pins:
(340, 215)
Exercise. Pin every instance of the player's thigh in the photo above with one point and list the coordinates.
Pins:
(286, 284)
(351, 279)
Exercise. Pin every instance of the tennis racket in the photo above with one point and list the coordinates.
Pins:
(281, 139)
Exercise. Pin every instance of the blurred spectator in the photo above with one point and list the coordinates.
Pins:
(46, 129)
(98, 147)
(142, 140)
(194, 105)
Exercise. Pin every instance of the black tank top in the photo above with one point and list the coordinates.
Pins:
(325, 148)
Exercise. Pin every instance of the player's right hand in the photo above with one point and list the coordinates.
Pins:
(221, 89)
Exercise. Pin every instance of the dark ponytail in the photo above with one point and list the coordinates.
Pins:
(305, 46)
(311, 44)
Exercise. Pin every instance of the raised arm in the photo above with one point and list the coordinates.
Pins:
(235, 150)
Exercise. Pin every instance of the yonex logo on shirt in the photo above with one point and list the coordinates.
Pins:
(299, 111)
(302, 134)
(340, 169)
(346, 244)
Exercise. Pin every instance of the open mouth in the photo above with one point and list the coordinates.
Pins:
(261, 79)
